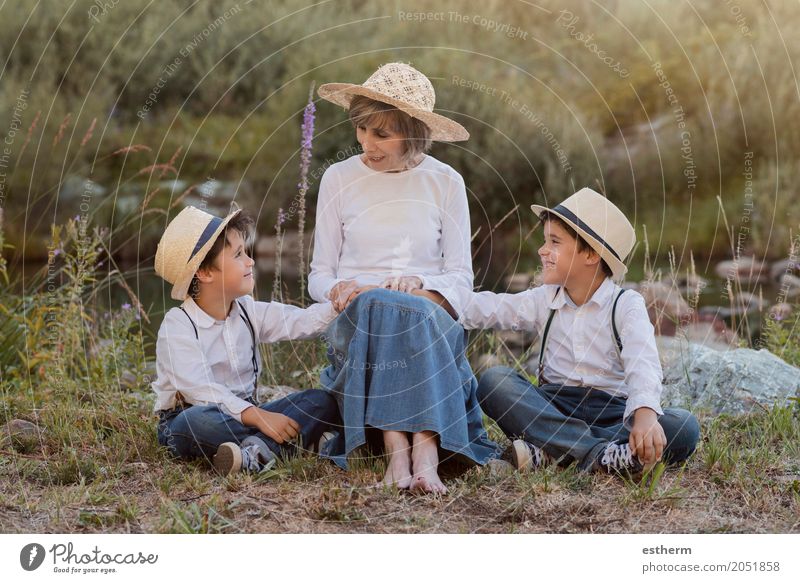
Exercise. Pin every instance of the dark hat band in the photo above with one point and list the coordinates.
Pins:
(211, 227)
(568, 214)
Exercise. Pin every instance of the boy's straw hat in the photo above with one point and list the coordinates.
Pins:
(600, 223)
(408, 90)
(184, 245)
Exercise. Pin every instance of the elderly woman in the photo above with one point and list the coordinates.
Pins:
(392, 224)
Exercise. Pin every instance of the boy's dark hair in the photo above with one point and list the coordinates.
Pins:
(243, 224)
(582, 244)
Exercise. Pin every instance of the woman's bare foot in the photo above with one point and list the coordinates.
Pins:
(398, 474)
(425, 462)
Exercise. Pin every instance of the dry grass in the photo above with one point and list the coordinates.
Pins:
(744, 478)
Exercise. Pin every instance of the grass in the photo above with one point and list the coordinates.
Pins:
(88, 475)
(95, 466)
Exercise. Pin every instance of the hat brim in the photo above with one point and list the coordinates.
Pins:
(618, 268)
(181, 287)
(443, 129)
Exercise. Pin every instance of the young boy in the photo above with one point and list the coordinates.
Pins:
(207, 356)
(599, 381)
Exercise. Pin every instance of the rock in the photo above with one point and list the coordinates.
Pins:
(742, 304)
(724, 381)
(128, 380)
(791, 284)
(711, 334)
(784, 267)
(19, 431)
(780, 311)
(265, 393)
(500, 468)
(743, 269)
(665, 306)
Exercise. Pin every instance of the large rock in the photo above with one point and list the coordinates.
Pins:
(724, 381)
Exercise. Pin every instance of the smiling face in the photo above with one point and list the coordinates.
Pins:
(384, 148)
(234, 268)
(391, 139)
(564, 258)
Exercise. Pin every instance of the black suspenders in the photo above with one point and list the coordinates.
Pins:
(617, 339)
(246, 318)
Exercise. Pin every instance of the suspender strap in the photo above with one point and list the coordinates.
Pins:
(196, 335)
(246, 317)
(544, 340)
(617, 339)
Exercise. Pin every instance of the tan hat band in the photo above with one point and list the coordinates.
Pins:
(568, 214)
(206, 235)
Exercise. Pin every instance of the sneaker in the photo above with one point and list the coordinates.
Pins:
(326, 437)
(526, 456)
(252, 456)
(618, 458)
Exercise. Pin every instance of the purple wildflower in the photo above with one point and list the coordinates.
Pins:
(307, 131)
(126, 306)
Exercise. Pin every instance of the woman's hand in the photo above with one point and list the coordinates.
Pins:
(340, 294)
(405, 284)
(357, 292)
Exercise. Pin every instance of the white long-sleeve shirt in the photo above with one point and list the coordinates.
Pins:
(580, 348)
(373, 225)
(216, 366)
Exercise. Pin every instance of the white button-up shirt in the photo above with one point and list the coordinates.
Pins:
(216, 366)
(373, 225)
(580, 348)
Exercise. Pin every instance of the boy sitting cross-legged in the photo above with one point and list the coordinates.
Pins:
(207, 356)
(599, 383)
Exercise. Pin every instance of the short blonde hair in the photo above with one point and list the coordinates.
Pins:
(416, 134)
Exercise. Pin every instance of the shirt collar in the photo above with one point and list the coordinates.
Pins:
(200, 317)
(601, 295)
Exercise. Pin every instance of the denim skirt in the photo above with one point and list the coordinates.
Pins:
(398, 362)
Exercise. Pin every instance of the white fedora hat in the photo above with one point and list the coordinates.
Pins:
(600, 223)
(184, 245)
(405, 88)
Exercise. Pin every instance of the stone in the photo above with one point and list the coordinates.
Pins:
(665, 305)
(267, 393)
(19, 431)
(724, 381)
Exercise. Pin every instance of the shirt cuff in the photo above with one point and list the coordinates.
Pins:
(449, 293)
(637, 402)
(234, 406)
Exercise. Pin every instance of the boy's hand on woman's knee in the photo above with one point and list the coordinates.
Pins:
(647, 439)
(276, 426)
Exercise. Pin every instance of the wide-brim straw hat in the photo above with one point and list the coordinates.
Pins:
(184, 245)
(600, 223)
(405, 88)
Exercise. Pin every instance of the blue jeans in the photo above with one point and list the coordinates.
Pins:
(198, 430)
(398, 363)
(574, 424)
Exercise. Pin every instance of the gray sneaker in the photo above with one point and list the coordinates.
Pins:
(252, 456)
(617, 458)
(324, 439)
(526, 456)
